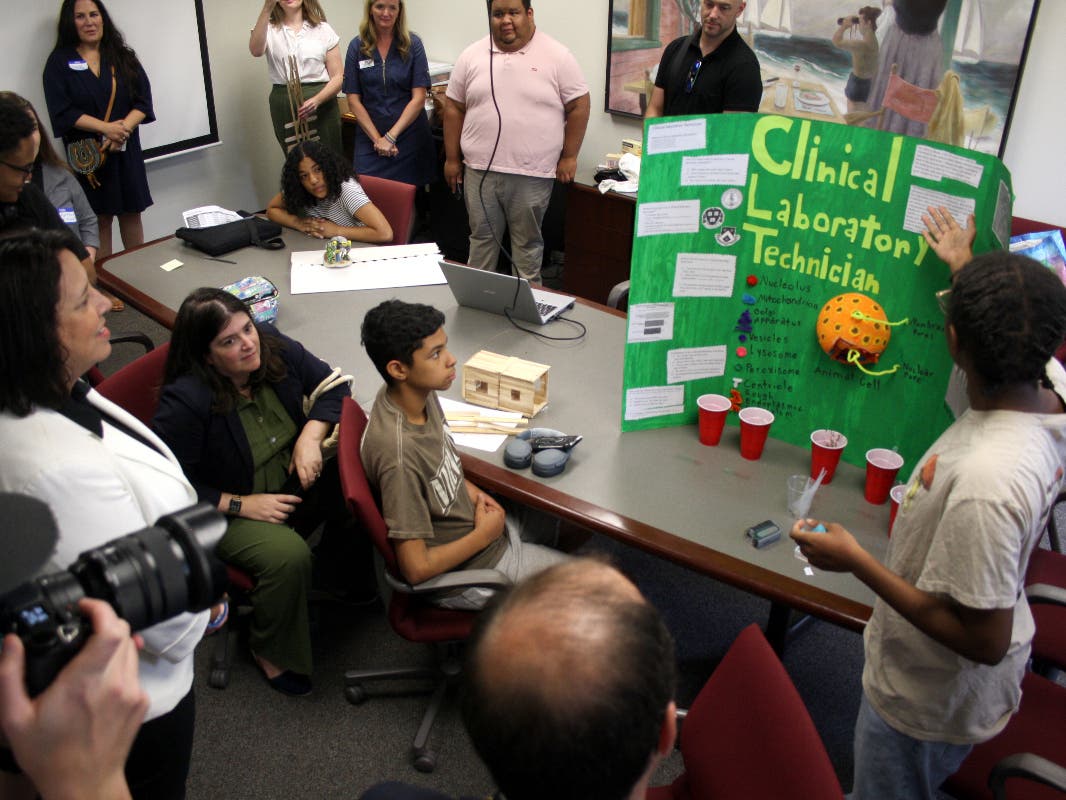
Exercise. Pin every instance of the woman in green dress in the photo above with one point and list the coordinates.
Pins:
(232, 411)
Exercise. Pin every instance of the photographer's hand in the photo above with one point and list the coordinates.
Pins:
(72, 740)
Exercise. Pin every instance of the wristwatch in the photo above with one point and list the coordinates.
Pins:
(235, 505)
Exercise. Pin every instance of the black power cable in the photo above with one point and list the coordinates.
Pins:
(488, 219)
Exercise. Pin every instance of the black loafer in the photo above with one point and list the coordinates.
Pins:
(291, 683)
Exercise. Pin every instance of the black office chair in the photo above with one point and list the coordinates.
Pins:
(618, 297)
(95, 376)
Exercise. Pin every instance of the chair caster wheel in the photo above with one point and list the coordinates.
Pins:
(355, 694)
(218, 679)
(426, 761)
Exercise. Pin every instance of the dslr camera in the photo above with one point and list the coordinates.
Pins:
(147, 576)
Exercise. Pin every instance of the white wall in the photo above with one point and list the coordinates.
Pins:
(1035, 153)
(243, 171)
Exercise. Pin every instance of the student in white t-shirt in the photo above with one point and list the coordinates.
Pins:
(320, 197)
(950, 633)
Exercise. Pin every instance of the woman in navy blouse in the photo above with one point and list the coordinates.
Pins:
(90, 62)
(386, 77)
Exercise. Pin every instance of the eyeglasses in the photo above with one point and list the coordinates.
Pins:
(942, 298)
(26, 170)
(692, 73)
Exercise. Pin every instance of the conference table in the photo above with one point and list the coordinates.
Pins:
(658, 490)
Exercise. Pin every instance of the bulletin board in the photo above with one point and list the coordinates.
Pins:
(752, 229)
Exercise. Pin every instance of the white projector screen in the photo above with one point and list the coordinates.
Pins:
(171, 43)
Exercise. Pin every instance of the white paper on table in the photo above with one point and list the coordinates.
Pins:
(371, 268)
(488, 442)
(208, 216)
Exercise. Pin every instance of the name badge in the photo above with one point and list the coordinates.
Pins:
(366, 63)
(67, 215)
(78, 65)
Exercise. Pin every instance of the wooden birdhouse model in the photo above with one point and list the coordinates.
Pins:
(505, 382)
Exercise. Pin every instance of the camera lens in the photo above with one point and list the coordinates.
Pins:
(147, 577)
(157, 573)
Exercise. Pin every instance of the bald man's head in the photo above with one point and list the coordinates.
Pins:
(569, 680)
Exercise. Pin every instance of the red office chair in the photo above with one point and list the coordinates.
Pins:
(136, 388)
(1031, 751)
(409, 615)
(95, 376)
(1045, 584)
(1046, 589)
(396, 201)
(137, 385)
(749, 735)
(1032, 747)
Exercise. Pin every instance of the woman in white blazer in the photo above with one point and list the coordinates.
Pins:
(101, 472)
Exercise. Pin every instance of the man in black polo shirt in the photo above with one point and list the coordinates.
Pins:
(23, 205)
(708, 72)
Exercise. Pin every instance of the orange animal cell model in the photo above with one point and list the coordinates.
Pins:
(853, 324)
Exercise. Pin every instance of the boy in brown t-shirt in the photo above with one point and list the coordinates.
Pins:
(438, 520)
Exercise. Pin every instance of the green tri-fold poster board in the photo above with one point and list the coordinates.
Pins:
(752, 229)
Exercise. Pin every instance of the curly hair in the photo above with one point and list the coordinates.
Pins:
(400, 33)
(113, 45)
(15, 123)
(393, 330)
(32, 359)
(1009, 315)
(335, 170)
(312, 13)
(46, 154)
(202, 315)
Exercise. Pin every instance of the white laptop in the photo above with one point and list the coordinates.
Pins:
(503, 294)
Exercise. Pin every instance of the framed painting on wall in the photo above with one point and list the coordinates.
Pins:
(945, 70)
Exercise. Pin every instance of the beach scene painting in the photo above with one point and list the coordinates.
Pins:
(944, 70)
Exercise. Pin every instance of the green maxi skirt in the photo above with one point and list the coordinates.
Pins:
(328, 123)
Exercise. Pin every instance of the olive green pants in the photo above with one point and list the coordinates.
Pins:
(327, 125)
(279, 560)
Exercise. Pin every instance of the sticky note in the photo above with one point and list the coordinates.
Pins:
(171, 265)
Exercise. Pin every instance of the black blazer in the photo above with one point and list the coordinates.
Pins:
(212, 447)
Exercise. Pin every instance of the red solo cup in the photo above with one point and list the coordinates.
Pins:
(713, 411)
(826, 447)
(881, 468)
(896, 495)
(754, 428)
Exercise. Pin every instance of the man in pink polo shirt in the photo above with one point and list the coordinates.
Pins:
(512, 155)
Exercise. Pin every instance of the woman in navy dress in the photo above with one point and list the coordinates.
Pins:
(89, 50)
(386, 77)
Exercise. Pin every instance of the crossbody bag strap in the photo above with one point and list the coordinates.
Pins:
(267, 244)
(111, 102)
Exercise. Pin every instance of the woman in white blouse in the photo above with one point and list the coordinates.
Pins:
(299, 28)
